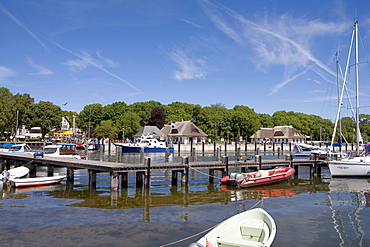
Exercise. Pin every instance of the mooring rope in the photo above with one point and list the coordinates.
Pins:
(204, 173)
(192, 236)
(178, 241)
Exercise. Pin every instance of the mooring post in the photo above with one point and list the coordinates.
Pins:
(142, 154)
(178, 146)
(278, 153)
(118, 154)
(214, 147)
(225, 144)
(124, 179)
(147, 174)
(174, 178)
(70, 174)
(259, 162)
(166, 155)
(114, 181)
(225, 161)
(50, 170)
(238, 153)
(139, 179)
(92, 178)
(203, 148)
(273, 148)
(211, 175)
(185, 175)
(193, 154)
(109, 143)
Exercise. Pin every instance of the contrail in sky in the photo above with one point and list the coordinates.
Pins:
(91, 61)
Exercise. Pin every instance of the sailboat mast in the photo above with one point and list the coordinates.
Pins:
(357, 118)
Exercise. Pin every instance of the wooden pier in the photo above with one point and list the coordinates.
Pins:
(179, 171)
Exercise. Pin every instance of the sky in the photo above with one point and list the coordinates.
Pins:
(267, 55)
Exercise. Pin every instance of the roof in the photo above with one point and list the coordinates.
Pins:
(149, 130)
(278, 132)
(183, 129)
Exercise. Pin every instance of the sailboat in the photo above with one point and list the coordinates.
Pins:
(359, 165)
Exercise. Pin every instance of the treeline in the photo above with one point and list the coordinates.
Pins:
(114, 120)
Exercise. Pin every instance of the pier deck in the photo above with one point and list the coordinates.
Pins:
(143, 171)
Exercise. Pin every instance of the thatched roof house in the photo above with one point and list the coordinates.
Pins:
(184, 132)
(278, 134)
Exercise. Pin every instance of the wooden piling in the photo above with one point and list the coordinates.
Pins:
(185, 175)
(50, 170)
(124, 179)
(147, 174)
(114, 181)
(92, 178)
(225, 160)
(70, 174)
(118, 154)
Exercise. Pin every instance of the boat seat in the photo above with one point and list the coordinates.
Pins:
(252, 229)
(262, 173)
(232, 242)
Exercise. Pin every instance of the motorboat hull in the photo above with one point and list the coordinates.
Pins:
(146, 149)
(39, 181)
(260, 178)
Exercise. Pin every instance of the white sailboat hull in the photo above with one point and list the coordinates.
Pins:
(355, 167)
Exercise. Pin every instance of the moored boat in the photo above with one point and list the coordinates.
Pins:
(254, 227)
(38, 181)
(61, 150)
(259, 178)
(359, 165)
(145, 144)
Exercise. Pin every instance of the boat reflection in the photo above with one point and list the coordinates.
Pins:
(347, 198)
(237, 194)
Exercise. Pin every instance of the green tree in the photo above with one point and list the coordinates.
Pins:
(143, 110)
(90, 117)
(45, 115)
(105, 130)
(130, 121)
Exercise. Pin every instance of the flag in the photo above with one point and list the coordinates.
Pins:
(322, 129)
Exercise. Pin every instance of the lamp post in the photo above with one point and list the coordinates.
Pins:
(123, 134)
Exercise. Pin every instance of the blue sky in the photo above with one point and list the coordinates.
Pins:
(267, 55)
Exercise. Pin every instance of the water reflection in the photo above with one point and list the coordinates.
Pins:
(347, 198)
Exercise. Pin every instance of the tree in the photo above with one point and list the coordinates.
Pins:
(157, 118)
(114, 111)
(45, 115)
(130, 121)
(90, 117)
(143, 110)
(105, 130)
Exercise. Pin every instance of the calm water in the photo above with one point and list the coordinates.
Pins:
(317, 211)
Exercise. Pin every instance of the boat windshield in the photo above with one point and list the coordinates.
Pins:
(367, 149)
(50, 150)
(15, 148)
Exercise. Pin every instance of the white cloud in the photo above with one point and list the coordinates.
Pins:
(6, 72)
(283, 40)
(190, 68)
(41, 70)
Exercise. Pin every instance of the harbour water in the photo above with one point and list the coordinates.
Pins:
(309, 211)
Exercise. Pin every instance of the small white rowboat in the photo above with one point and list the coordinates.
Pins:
(38, 181)
(254, 227)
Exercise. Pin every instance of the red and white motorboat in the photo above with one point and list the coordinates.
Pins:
(38, 181)
(259, 178)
